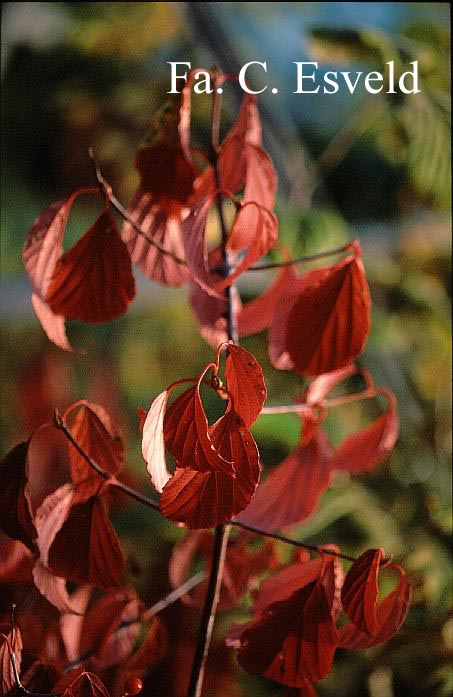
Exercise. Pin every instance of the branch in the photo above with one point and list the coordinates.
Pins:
(368, 393)
(107, 191)
(301, 260)
(291, 541)
(222, 531)
(150, 503)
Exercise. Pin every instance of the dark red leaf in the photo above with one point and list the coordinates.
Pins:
(95, 432)
(293, 641)
(245, 382)
(257, 314)
(206, 499)
(16, 561)
(290, 493)
(330, 320)
(361, 451)
(93, 281)
(103, 619)
(390, 615)
(44, 244)
(187, 435)
(165, 172)
(282, 585)
(243, 164)
(210, 313)
(360, 591)
(153, 650)
(278, 327)
(15, 517)
(242, 565)
(86, 549)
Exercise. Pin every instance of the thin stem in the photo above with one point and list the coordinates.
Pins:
(209, 611)
(107, 191)
(301, 260)
(221, 531)
(368, 393)
(290, 540)
(173, 596)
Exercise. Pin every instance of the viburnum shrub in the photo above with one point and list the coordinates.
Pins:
(317, 323)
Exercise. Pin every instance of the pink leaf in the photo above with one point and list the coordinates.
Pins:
(153, 446)
(162, 226)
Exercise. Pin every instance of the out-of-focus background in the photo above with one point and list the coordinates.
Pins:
(376, 167)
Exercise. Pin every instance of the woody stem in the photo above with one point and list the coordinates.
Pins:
(222, 531)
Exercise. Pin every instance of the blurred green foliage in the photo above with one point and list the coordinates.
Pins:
(384, 177)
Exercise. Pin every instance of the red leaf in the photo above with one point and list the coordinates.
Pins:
(95, 432)
(16, 561)
(71, 624)
(390, 615)
(151, 652)
(80, 683)
(242, 163)
(330, 321)
(210, 313)
(255, 230)
(153, 446)
(153, 649)
(163, 226)
(121, 643)
(257, 314)
(93, 281)
(196, 252)
(10, 644)
(282, 585)
(53, 588)
(323, 384)
(187, 435)
(361, 451)
(242, 565)
(360, 591)
(293, 641)
(206, 499)
(290, 493)
(95, 551)
(246, 385)
(44, 244)
(284, 303)
(50, 516)
(164, 171)
(15, 516)
(102, 621)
